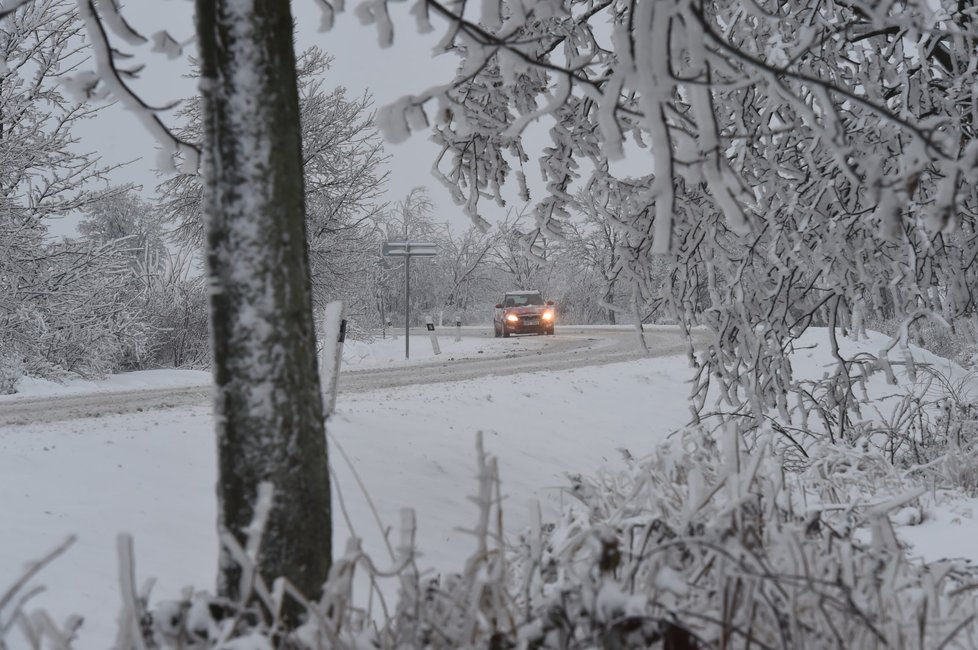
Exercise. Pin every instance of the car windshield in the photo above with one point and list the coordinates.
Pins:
(523, 299)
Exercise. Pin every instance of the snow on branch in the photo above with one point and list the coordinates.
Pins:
(108, 74)
(9, 7)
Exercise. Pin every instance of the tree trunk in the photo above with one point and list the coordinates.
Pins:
(636, 313)
(269, 404)
(609, 299)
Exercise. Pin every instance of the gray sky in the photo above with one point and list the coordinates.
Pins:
(360, 65)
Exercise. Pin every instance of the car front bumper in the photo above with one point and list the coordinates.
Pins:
(526, 326)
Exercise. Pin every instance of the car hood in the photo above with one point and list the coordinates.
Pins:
(528, 309)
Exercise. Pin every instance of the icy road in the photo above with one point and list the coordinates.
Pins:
(570, 348)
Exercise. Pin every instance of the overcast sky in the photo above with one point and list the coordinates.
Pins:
(360, 65)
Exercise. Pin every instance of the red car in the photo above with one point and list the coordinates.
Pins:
(524, 312)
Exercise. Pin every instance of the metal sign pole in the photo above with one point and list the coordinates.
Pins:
(407, 304)
(407, 250)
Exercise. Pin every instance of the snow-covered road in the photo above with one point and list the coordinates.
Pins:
(571, 348)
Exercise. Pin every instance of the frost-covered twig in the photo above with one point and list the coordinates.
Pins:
(12, 609)
(173, 147)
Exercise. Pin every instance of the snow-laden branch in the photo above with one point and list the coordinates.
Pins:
(9, 7)
(173, 149)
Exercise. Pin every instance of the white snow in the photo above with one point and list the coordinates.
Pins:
(389, 351)
(144, 379)
(152, 474)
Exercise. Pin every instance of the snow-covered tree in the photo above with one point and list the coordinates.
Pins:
(795, 163)
(41, 170)
(412, 218)
(270, 412)
(467, 278)
(64, 306)
(251, 193)
(520, 255)
(342, 159)
(124, 217)
(165, 285)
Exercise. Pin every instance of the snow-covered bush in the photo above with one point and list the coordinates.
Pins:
(928, 426)
(164, 285)
(172, 299)
(63, 306)
(179, 316)
(11, 370)
(70, 310)
(957, 342)
(699, 545)
(721, 546)
(946, 450)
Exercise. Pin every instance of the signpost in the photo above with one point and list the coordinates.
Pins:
(407, 250)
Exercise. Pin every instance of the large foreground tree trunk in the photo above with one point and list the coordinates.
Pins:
(269, 404)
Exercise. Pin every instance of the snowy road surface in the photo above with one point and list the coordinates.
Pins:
(571, 348)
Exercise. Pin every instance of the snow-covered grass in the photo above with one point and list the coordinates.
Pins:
(153, 474)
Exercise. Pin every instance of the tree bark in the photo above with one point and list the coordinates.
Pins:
(269, 403)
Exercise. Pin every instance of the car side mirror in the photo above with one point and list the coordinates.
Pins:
(550, 303)
(499, 306)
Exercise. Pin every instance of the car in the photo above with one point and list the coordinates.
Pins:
(524, 312)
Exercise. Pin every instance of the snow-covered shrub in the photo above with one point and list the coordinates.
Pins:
(173, 304)
(165, 286)
(927, 426)
(947, 451)
(71, 309)
(11, 370)
(723, 547)
(178, 315)
(959, 342)
(700, 545)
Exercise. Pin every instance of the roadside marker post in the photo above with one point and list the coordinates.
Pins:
(407, 250)
(434, 338)
(458, 329)
(335, 324)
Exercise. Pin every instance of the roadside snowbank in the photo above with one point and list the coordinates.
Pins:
(143, 379)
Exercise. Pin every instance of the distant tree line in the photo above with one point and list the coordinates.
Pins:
(128, 290)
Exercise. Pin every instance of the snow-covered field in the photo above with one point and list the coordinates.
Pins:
(152, 474)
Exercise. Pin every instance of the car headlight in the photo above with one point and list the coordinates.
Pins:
(548, 315)
(512, 318)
